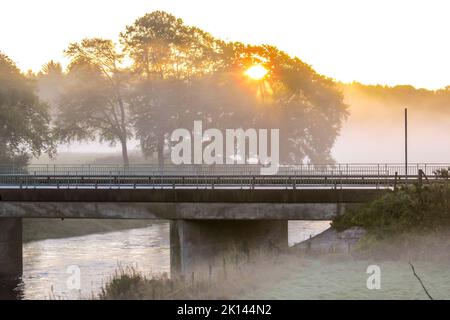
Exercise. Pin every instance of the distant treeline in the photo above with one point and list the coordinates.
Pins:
(422, 100)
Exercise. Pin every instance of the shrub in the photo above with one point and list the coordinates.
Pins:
(411, 208)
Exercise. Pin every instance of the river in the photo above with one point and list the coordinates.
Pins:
(50, 266)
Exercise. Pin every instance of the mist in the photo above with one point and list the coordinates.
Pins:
(374, 130)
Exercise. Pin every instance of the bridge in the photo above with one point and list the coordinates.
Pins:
(210, 207)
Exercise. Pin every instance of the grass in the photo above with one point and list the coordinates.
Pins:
(128, 284)
(229, 279)
(325, 279)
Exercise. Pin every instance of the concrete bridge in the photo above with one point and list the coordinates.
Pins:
(211, 208)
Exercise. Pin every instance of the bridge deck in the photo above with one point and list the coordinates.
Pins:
(173, 204)
(192, 195)
(199, 192)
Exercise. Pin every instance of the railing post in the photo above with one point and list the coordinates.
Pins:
(386, 173)
(395, 180)
(347, 176)
(378, 175)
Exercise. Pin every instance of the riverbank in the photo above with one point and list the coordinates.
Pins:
(42, 229)
(332, 241)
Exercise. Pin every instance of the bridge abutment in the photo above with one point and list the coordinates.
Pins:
(196, 245)
(11, 264)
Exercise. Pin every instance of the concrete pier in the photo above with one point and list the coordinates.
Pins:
(198, 244)
(10, 248)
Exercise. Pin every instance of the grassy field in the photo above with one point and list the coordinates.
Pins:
(326, 279)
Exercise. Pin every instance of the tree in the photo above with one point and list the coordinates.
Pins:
(50, 81)
(94, 102)
(24, 119)
(168, 56)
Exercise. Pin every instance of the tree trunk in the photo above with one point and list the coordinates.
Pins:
(160, 151)
(123, 142)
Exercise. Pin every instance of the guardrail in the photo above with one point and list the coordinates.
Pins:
(211, 176)
(428, 169)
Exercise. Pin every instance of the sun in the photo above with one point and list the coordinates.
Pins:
(256, 72)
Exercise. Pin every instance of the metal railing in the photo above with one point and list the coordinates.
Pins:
(292, 176)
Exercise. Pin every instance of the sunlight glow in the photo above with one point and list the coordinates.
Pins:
(256, 72)
(372, 41)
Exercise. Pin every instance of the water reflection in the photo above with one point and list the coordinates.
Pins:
(302, 230)
(48, 271)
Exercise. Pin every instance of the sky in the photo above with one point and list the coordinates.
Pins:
(371, 41)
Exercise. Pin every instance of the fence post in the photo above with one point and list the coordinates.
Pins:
(395, 180)
(378, 175)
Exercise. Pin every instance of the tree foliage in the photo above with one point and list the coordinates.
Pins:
(24, 119)
(50, 81)
(413, 208)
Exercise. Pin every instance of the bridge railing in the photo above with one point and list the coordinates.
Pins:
(379, 175)
(428, 169)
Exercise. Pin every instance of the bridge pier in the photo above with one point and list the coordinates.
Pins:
(197, 244)
(10, 248)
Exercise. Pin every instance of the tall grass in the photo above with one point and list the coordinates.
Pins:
(232, 277)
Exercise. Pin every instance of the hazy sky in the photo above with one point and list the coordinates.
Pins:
(372, 41)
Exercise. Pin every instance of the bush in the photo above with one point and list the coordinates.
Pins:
(411, 208)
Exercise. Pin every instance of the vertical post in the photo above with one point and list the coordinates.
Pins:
(10, 248)
(395, 180)
(406, 145)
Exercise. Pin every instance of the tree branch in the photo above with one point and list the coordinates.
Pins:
(421, 283)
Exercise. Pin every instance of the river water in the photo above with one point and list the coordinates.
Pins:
(52, 267)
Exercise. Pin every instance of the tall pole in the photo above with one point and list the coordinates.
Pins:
(406, 144)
